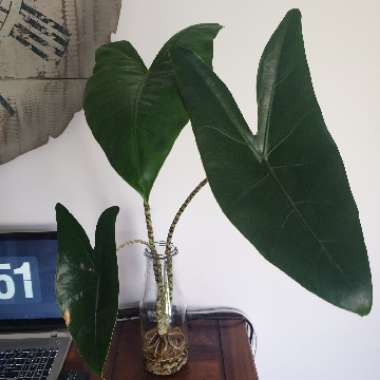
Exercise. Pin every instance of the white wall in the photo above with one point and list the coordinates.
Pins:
(300, 336)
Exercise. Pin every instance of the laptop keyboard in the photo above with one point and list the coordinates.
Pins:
(28, 364)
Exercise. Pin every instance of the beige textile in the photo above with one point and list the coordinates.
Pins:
(47, 50)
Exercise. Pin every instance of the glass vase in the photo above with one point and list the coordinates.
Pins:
(163, 313)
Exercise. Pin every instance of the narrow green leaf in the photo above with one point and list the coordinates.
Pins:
(136, 114)
(285, 189)
(87, 284)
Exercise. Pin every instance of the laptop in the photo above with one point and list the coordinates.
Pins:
(33, 339)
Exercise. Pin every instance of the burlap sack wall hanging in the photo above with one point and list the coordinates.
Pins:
(47, 50)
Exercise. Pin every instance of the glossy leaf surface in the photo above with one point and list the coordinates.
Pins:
(87, 284)
(136, 114)
(285, 189)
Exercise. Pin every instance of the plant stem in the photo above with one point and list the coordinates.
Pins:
(162, 318)
(131, 242)
(149, 226)
(171, 233)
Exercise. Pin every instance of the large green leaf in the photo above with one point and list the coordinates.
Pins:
(87, 284)
(136, 114)
(285, 189)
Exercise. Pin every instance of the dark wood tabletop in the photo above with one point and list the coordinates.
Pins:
(218, 350)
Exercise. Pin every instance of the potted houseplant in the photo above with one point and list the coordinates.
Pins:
(284, 188)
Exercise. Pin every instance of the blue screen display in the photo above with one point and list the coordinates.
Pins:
(27, 279)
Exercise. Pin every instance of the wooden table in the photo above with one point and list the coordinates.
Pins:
(218, 350)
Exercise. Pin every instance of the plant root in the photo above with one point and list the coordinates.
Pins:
(165, 354)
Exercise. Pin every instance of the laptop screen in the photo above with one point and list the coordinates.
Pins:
(27, 276)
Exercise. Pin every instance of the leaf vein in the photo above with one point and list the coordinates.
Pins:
(250, 189)
(223, 134)
(290, 133)
(294, 207)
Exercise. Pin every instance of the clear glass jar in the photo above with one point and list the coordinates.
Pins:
(163, 313)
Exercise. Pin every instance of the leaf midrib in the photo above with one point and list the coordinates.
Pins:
(301, 216)
(266, 155)
(273, 90)
(136, 107)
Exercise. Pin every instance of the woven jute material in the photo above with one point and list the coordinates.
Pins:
(165, 355)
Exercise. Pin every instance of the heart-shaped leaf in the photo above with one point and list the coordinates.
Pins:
(87, 284)
(285, 189)
(136, 114)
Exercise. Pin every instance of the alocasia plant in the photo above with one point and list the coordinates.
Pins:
(284, 188)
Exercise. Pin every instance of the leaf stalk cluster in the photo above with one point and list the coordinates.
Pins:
(164, 291)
